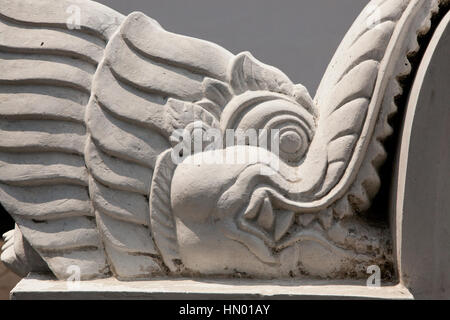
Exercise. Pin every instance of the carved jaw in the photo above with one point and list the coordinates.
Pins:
(223, 229)
(200, 223)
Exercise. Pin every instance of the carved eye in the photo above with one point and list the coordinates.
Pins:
(295, 130)
(290, 142)
(263, 99)
(283, 125)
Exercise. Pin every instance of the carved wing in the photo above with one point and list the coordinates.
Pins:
(357, 95)
(46, 73)
(45, 85)
(144, 89)
(86, 119)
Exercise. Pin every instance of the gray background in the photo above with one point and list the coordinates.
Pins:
(296, 36)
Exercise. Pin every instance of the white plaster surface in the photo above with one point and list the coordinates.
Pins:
(421, 198)
(43, 287)
(87, 127)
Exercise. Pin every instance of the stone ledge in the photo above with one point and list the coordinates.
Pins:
(43, 287)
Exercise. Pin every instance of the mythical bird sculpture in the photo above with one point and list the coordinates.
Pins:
(89, 116)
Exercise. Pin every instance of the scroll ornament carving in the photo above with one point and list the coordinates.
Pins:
(88, 134)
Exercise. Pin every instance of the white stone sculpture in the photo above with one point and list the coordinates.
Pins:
(90, 114)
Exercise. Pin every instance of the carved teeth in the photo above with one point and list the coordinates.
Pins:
(253, 207)
(305, 219)
(277, 222)
(266, 217)
(283, 223)
(326, 218)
